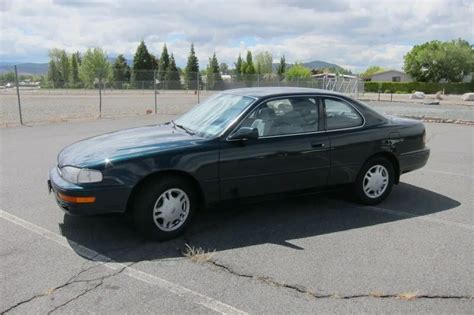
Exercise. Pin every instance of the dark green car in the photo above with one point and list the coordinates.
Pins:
(240, 143)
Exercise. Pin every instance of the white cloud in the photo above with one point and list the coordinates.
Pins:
(351, 33)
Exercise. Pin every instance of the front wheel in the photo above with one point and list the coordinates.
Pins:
(374, 182)
(164, 208)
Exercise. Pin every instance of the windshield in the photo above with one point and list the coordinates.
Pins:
(212, 116)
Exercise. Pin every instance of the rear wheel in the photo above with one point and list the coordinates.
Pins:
(374, 182)
(164, 207)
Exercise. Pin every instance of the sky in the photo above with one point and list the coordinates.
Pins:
(353, 34)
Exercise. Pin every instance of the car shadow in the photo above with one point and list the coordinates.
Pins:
(273, 221)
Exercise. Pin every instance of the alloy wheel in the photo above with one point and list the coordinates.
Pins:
(171, 209)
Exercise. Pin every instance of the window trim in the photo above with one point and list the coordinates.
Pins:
(344, 101)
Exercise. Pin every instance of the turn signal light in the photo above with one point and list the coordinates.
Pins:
(76, 199)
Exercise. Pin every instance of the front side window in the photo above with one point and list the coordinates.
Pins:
(284, 117)
(340, 115)
(211, 117)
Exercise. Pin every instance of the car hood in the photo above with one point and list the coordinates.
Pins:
(124, 144)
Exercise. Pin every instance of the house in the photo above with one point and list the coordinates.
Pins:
(389, 76)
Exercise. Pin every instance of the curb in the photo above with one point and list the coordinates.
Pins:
(441, 120)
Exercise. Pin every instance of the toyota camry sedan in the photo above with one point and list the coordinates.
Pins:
(241, 143)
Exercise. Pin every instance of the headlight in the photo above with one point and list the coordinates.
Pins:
(80, 175)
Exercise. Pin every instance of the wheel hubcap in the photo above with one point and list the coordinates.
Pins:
(375, 181)
(171, 209)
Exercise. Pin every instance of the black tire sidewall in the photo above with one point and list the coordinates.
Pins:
(145, 202)
(359, 184)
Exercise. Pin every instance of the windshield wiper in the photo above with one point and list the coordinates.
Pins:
(189, 131)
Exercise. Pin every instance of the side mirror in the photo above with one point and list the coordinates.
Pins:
(244, 133)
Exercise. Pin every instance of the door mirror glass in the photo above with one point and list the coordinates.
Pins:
(244, 133)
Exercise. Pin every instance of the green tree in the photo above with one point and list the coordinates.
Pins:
(435, 61)
(297, 72)
(75, 80)
(224, 68)
(264, 63)
(59, 65)
(371, 71)
(155, 62)
(164, 64)
(173, 79)
(247, 66)
(95, 68)
(281, 66)
(65, 66)
(213, 74)
(54, 76)
(238, 68)
(248, 69)
(143, 66)
(192, 70)
(121, 71)
(7, 77)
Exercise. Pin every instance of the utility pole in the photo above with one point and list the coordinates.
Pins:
(154, 88)
(18, 94)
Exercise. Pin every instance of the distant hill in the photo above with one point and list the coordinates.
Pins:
(35, 68)
(315, 64)
(25, 68)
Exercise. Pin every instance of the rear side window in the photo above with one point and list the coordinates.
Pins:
(340, 115)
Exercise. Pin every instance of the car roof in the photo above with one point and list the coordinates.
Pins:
(263, 92)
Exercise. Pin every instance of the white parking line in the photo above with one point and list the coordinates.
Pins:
(426, 218)
(88, 253)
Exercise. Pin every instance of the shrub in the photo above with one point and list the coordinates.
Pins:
(426, 87)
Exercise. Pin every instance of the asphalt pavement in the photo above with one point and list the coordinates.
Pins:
(314, 254)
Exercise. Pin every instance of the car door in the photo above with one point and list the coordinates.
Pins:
(350, 142)
(291, 152)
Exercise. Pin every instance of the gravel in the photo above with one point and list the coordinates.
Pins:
(44, 106)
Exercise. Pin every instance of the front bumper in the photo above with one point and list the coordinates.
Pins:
(414, 160)
(107, 199)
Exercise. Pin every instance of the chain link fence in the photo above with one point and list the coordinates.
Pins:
(140, 93)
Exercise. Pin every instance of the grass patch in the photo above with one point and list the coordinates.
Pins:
(407, 296)
(197, 254)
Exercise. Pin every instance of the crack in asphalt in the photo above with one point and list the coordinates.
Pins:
(408, 296)
(70, 281)
(101, 282)
(76, 297)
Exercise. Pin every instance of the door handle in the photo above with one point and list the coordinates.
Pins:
(318, 145)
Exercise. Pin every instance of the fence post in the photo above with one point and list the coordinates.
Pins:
(154, 89)
(18, 95)
(100, 97)
(197, 85)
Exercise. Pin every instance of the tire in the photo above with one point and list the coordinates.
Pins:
(369, 189)
(158, 207)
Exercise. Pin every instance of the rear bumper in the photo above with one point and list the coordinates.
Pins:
(413, 160)
(107, 200)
